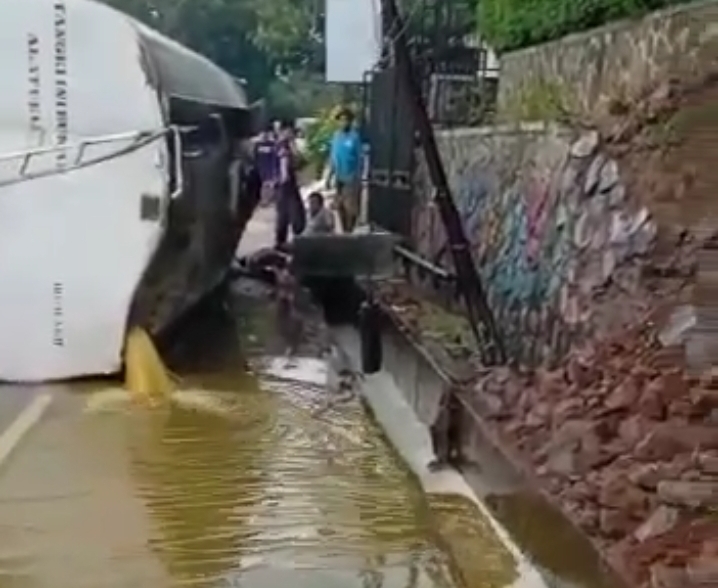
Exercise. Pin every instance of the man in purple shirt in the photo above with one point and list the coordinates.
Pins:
(266, 158)
(290, 208)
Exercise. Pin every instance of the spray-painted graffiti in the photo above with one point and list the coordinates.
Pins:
(546, 235)
(471, 194)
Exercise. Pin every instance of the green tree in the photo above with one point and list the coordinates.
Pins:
(301, 94)
(512, 24)
(292, 32)
(223, 30)
(276, 45)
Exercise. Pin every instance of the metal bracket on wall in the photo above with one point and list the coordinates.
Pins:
(379, 177)
(401, 180)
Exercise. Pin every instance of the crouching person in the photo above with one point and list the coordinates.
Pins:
(321, 219)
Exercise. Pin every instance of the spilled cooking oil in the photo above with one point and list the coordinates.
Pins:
(259, 493)
(226, 478)
(150, 385)
(479, 559)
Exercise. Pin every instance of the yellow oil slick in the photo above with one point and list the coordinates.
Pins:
(150, 384)
(147, 380)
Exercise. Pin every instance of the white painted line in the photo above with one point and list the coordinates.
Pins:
(21, 426)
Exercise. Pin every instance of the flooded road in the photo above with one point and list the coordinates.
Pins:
(266, 495)
(270, 489)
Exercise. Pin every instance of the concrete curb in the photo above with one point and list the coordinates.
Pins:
(520, 470)
(411, 439)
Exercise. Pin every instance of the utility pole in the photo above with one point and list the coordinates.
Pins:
(479, 314)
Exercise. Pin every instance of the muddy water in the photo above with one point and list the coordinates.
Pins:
(263, 496)
(264, 493)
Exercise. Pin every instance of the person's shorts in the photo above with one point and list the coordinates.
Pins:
(348, 195)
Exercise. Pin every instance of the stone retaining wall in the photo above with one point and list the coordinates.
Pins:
(585, 72)
(550, 225)
(499, 482)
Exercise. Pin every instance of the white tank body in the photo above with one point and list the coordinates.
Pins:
(74, 242)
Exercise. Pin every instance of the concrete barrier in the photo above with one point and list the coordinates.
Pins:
(397, 414)
(548, 550)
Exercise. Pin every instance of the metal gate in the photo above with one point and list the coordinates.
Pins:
(390, 133)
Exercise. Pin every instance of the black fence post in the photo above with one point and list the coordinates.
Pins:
(480, 316)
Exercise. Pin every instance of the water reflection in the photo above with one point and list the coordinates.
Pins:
(567, 559)
(272, 493)
(200, 484)
(262, 495)
(481, 560)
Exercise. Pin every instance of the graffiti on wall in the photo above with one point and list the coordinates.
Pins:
(547, 240)
(471, 193)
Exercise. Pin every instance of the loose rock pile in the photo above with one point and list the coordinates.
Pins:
(628, 444)
(621, 435)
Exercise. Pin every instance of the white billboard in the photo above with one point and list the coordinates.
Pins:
(353, 39)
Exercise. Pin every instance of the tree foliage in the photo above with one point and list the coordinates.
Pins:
(278, 45)
(512, 24)
(301, 93)
(272, 44)
(292, 31)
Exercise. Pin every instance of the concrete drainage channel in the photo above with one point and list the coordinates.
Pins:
(537, 543)
(448, 494)
(499, 531)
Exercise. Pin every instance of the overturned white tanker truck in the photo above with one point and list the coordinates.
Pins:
(123, 191)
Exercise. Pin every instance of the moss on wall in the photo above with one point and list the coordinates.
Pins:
(541, 100)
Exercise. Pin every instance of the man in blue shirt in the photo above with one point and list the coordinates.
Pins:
(345, 167)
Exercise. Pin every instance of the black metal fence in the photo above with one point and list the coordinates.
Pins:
(390, 130)
(459, 89)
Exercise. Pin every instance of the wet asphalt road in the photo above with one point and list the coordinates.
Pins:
(13, 399)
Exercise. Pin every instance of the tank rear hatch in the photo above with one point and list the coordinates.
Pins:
(194, 87)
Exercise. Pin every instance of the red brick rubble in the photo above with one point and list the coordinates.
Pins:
(628, 444)
(622, 438)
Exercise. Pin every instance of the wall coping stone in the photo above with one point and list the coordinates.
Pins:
(534, 127)
(614, 27)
